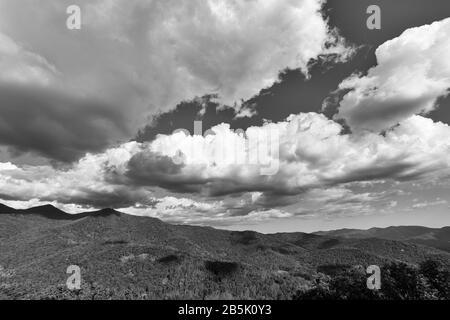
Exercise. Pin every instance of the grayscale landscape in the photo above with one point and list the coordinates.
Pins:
(129, 257)
(225, 149)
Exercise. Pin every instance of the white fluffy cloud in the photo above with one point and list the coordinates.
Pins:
(413, 71)
(313, 154)
(232, 47)
(85, 183)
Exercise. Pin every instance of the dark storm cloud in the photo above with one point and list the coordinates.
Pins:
(375, 112)
(55, 125)
(150, 169)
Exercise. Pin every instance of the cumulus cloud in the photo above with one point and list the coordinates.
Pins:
(234, 48)
(311, 151)
(413, 71)
(313, 155)
(85, 183)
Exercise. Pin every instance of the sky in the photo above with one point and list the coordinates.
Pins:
(269, 115)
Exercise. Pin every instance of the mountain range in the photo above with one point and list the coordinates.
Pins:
(51, 212)
(433, 237)
(132, 257)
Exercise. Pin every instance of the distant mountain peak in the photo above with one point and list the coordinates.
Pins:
(48, 211)
(51, 212)
(45, 207)
(6, 209)
(100, 213)
(108, 210)
(434, 237)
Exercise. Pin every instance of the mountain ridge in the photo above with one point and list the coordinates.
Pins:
(51, 212)
(434, 237)
(122, 255)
